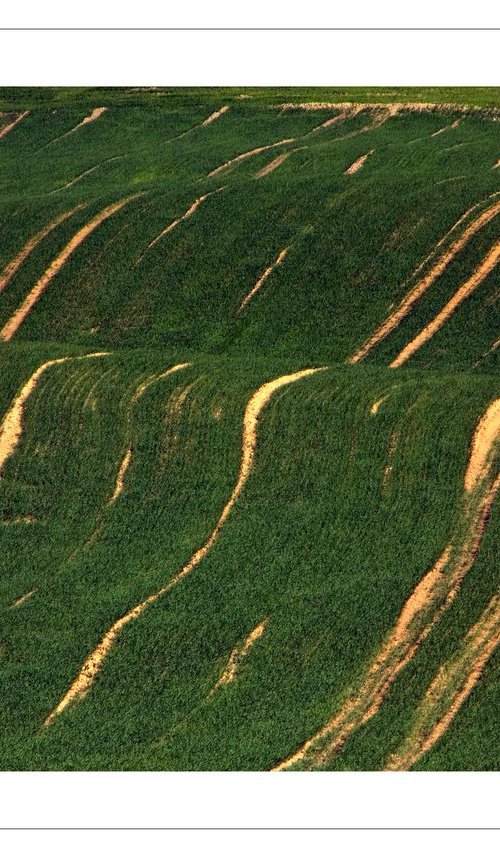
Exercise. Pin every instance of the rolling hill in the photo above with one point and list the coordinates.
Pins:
(249, 429)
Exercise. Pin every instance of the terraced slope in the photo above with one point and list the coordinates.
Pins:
(249, 432)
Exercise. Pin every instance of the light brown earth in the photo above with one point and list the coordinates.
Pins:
(237, 655)
(262, 279)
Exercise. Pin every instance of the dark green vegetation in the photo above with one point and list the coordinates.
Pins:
(337, 522)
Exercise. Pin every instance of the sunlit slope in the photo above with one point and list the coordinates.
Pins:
(204, 200)
(252, 651)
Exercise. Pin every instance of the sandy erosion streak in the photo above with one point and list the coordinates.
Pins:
(30, 245)
(452, 686)
(243, 157)
(425, 606)
(214, 116)
(127, 458)
(356, 166)
(427, 280)
(10, 127)
(238, 653)
(16, 320)
(193, 208)
(96, 113)
(262, 279)
(12, 424)
(92, 665)
(487, 265)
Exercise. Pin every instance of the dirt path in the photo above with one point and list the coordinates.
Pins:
(262, 279)
(8, 128)
(237, 655)
(416, 292)
(356, 166)
(93, 664)
(11, 426)
(28, 248)
(453, 684)
(487, 265)
(423, 609)
(16, 320)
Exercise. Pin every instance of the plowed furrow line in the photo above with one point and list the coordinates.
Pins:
(94, 661)
(410, 299)
(28, 248)
(262, 279)
(452, 686)
(14, 323)
(488, 264)
(421, 612)
(12, 424)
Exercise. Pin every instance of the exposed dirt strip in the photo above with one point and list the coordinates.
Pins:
(214, 116)
(16, 320)
(22, 600)
(488, 264)
(87, 173)
(193, 208)
(376, 405)
(243, 157)
(452, 686)
(421, 612)
(262, 279)
(8, 128)
(92, 665)
(238, 653)
(395, 107)
(356, 166)
(28, 248)
(96, 113)
(454, 124)
(125, 463)
(12, 424)
(277, 162)
(410, 299)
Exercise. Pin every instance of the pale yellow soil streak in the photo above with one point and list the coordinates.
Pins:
(87, 173)
(193, 208)
(273, 165)
(429, 600)
(376, 405)
(250, 154)
(12, 424)
(96, 113)
(92, 665)
(483, 443)
(238, 653)
(262, 279)
(488, 264)
(356, 166)
(22, 600)
(495, 166)
(214, 116)
(8, 128)
(30, 245)
(452, 686)
(426, 281)
(16, 320)
(122, 470)
(454, 124)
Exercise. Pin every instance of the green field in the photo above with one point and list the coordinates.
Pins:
(202, 572)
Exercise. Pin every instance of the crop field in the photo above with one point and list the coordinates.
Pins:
(249, 429)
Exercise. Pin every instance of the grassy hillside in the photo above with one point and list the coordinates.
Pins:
(214, 557)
